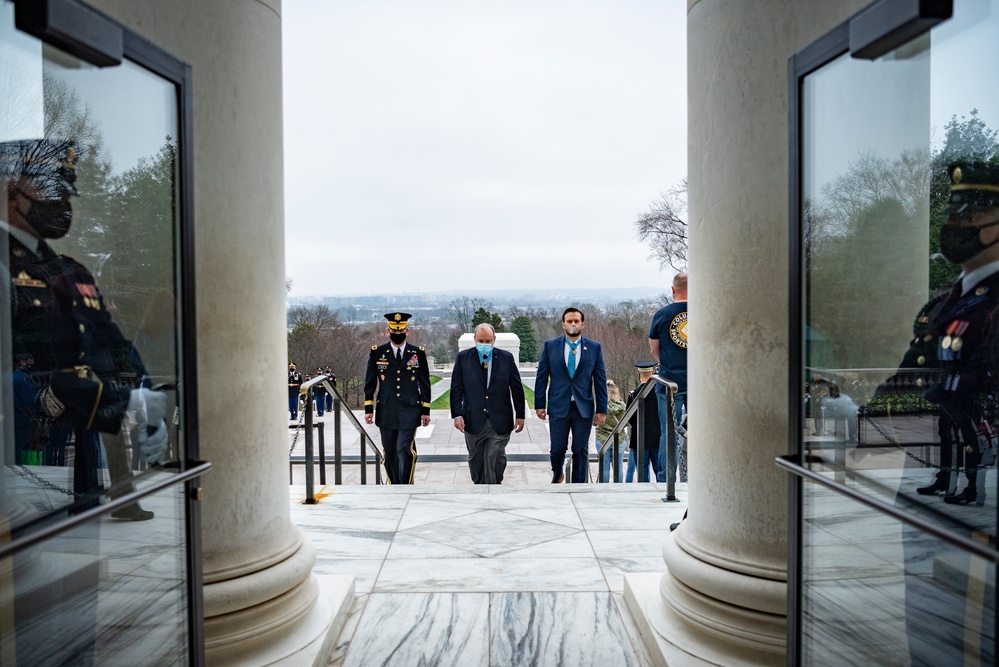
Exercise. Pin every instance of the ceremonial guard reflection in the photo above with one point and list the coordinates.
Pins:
(952, 363)
(58, 317)
(397, 397)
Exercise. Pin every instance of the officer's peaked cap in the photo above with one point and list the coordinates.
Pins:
(398, 321)
(973, 185)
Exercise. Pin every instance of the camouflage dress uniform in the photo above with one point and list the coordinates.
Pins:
(401, 390)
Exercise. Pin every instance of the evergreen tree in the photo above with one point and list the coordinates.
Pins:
(483, 316)
(528, 343)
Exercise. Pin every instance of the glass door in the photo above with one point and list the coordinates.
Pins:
(895, 206)
(98, 519)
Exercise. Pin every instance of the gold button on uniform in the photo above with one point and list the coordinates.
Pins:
(82, 328)
(921, 360)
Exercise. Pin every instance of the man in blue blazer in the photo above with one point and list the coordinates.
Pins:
(486, 392)
(572, 383)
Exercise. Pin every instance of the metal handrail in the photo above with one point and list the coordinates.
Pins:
(638, 405)
(307, 389)
(196, 469)
(988, 551)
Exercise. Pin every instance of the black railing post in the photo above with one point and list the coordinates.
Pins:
(337, 453)
(310, 459)
(643, 475)
(672, 469)
(322, 453)
(616, 477)
(364, 462)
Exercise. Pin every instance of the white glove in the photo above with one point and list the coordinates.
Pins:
(147, 406)
(153, 446)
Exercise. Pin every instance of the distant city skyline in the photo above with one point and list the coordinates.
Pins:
(442, 144)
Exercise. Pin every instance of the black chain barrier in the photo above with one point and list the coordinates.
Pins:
(298, 429)
(37, 480)
(921, 460)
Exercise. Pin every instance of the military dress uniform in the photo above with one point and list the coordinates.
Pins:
(952, 362)
(397, 390)
(329, 394)
(58, 316)
(294, 383)
(651, 435)
(319, 391)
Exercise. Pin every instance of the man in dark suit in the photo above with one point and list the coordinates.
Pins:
(572, 383)
(486, 391)
(400, 377)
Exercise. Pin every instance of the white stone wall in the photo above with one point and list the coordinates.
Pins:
(504, 341)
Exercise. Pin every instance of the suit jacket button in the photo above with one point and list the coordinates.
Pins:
(397, 395)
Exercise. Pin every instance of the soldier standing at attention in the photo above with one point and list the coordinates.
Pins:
(398, 380)
(294, 382)
(329, 394)
(319, 391)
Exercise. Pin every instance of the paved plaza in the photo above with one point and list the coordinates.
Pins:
(450, 573)
(488, 575)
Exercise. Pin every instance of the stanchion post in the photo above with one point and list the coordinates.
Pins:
(617, 459)
(364, 462)
(322, 452)
(671, 466)
(310, 459)
(643, 473)
(337, 449)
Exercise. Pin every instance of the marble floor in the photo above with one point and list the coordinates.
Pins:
(489, 575)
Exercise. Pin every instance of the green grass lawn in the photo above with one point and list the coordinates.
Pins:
(434, 379)
(443, 402)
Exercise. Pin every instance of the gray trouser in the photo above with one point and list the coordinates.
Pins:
(486, 455)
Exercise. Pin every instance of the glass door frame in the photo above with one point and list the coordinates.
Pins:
(80, 30)
(882, 26)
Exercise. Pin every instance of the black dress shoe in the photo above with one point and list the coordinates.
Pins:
(939, 485)
(966, 497)
(561, 478)
(132, 513)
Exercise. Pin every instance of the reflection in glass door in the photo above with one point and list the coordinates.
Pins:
(95, 562)
(899, 376)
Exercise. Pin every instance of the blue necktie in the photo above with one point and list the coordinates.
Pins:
(572, 356)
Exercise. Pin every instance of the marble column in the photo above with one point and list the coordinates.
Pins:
(262, 601)
(722, 598)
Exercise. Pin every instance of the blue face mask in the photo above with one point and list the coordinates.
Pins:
(485, 349)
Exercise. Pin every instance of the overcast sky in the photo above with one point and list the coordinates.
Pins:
(435, 145)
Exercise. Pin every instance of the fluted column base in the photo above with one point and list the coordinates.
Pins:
(697, 613)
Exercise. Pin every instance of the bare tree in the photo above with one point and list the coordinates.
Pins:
(320, 316)
(664, 227)
(462, 309)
